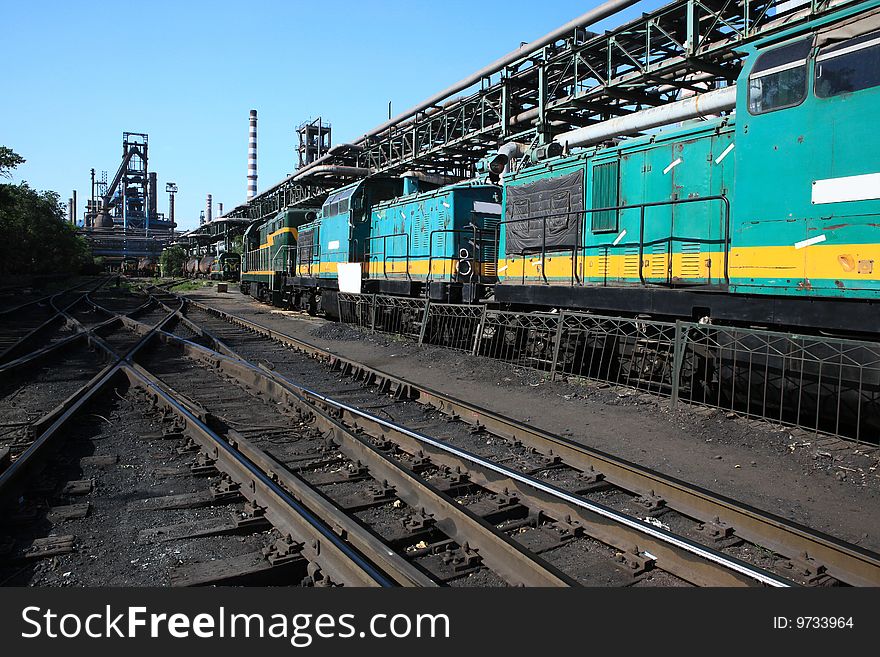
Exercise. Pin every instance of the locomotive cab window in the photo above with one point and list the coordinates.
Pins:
(779, 78)
(849, 66)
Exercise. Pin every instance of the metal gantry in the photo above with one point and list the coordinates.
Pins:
(578, 79)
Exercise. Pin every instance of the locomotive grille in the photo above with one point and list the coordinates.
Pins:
(631, 262)
(658, 260)
(690, 260)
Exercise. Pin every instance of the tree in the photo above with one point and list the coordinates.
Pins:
(9, 159)
(35, 238)
(172, 261)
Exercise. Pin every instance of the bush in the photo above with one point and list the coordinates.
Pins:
(172, 261)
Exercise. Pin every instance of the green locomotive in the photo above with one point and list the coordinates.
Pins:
(270, 254)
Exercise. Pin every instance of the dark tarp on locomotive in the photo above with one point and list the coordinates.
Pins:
(305, 247)
(560, 199)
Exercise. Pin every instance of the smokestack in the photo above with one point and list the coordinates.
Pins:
(219, 209)
(73, 210)
(153, 195)
(252, 157)
(208, 210)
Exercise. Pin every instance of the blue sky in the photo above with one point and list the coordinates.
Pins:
(78, 74)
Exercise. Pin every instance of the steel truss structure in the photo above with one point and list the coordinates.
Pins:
(685, 47)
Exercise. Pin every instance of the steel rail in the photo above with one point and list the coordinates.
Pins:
(681, 557)
(281, 509)
(53, 319)
(9, 311)
(844, 561)
(55, 419)
(500, 553)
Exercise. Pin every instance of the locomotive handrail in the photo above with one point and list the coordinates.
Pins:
(725, 241)
(385, 257)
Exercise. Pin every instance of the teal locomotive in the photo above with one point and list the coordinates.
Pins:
(765, 216)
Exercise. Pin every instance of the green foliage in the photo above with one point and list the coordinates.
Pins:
(34, 236)
(172, 261)
(9, 159)
(237, 245)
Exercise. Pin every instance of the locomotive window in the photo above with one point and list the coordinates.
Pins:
(343, 205)
(849, 66)
(779, 78)
(606, 194)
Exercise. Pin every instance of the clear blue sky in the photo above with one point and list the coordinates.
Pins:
(78, 74)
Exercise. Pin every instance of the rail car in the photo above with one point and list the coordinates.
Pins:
(269, 253)
(766, 217)
(382, 235)
(148, 266)
(226, 267)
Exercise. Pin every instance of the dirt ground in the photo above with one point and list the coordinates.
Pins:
(828, 484)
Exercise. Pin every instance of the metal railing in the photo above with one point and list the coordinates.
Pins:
(577, 275)
(822, 384)
(370, 255)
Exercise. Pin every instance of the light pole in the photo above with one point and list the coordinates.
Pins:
(171, 188)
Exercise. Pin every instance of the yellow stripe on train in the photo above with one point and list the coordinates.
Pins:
(835, 262)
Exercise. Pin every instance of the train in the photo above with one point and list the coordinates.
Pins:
(764, 216)
(404, 236)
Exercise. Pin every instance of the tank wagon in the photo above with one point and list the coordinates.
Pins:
(766, 217)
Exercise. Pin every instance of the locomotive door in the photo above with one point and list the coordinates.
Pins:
(686, 244)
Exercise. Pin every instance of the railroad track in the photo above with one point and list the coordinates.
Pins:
(302, 548)
(27, 324)
(332, 473)
(544, 472)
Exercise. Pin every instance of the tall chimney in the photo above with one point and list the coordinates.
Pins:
(208, 210)
(219, 209)
(73, 210)
(252, 157)
(153, 195)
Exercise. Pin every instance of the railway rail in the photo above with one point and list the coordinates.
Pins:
(366, 479)
(809, 557)
(332, 557)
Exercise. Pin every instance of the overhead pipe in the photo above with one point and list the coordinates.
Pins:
(336, 170)
(694, 107)
(601, 12)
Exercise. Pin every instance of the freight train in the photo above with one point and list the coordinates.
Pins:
(765, 216)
